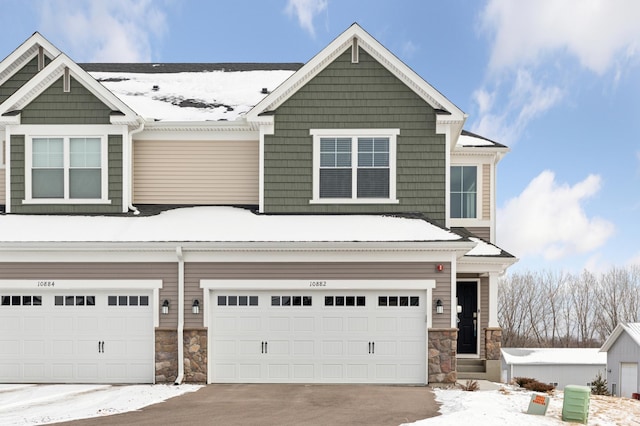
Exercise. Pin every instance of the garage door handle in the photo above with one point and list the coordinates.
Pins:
(262, 347)
(101, 346)
(265, 348)
(373, 347)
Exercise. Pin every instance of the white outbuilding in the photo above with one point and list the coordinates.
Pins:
(623, 355)
(557, 366)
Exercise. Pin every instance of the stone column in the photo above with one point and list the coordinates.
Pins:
(493, 343)
(443, 343)
(195, 355)
(166, 355)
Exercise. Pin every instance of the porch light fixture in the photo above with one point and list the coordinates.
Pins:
(439, 307)
(195, 307)
(165, 307)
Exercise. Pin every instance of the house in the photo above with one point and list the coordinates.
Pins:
(557, 366)
(236, 223)
(623, 354)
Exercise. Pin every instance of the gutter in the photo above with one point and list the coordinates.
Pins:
(131, 133)
(180, 330)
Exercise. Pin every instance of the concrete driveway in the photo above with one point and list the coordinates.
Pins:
(275, 404)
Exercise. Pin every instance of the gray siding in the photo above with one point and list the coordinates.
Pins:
(167, 272)
(625, 349)
(483, 232)
(351, 96)
(53, 106)
(114, 165)
(194, 272)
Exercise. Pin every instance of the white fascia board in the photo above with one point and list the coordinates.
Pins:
(485, 264)
(387, 59)
(51, 73)
(24, 53)
(197, 132)
(82, 284)
(314, 285)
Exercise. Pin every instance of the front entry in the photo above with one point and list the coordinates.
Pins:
(467, 292)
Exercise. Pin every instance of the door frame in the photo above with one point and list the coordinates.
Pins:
(478, 319)
(208, 286)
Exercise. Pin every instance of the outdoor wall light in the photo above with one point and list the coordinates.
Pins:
(195, 307)
(165, 307)
(439, 307)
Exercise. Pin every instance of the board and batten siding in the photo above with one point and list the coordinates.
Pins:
(398, 271)
(165, 271)
(364, 95)
(196, 172)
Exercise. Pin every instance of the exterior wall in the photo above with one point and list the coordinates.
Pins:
(625, 349)
(195, 172)
(561, 374)
(486, 192)
(195, 355)
(355, 96)
(17, 80)
(480, 231)
(443, 365)
(18, 182)
(194, 272)
(54, 106)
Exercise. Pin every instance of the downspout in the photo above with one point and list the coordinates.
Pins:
(131, 133)
(180, 331)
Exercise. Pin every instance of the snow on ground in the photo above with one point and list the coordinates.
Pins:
(508, 406)
(44, 404)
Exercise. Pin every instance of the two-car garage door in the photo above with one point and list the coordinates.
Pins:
(321, 337)
(76, 336)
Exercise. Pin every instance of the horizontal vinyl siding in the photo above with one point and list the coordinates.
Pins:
(195, 172)
(486, 191)
(167, 272)
(483, 232)
(194, 272)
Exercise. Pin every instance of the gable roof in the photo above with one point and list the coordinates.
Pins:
(24, 53)
(387, 59)
(631, 328)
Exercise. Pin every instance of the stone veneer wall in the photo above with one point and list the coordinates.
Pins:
(195, 355)
(493, 343)
(166, 355)
(443, 343)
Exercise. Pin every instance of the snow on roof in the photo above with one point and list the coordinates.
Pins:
(578, 356)
(483, 248)
(219, 224)
(472, 140)
(192, 96)
(632, 328)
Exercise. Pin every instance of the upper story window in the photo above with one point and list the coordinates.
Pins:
(69, 169)
(354, 166)
(464, 192)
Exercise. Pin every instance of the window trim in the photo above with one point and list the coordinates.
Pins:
(477, 192)
(317, 134)
(66, 137)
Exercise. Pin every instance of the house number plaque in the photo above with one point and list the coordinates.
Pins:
(46, 284)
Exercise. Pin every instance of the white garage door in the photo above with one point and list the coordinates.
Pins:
(318, 337)
(76, 336)
(628, 379)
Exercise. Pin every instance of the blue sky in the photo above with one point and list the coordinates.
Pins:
(558, 81)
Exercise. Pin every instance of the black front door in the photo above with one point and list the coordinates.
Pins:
(468, 319)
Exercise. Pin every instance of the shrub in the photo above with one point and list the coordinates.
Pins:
(537, 386)
(522, 381)
(599, 385)
(470, 386)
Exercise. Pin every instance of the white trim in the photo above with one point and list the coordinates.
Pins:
(7, 172)
(391, 134)
(468, 221)
(317, 284)
(25, 53)
(493, 301)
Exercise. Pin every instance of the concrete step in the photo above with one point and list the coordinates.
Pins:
(471, 366)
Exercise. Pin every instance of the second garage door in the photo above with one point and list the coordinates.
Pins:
(318, 337)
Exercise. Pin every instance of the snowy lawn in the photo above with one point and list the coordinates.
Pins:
(508, 406)
(43, 404)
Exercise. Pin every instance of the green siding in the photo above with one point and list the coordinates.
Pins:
(363, 95)
(114, 163)
(19, 78)
(54, 106)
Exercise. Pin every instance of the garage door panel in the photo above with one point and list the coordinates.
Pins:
(58, 337)
(228, 347)
(337, 337)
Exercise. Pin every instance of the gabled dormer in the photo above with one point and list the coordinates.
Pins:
(66, 136)
(355, 130)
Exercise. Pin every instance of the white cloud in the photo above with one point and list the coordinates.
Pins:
(104, 31)
(305, 11)
(548, 219)
(593, 31)
(526, 100)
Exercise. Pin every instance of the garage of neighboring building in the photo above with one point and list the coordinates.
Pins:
(77, 335)
(318, 336)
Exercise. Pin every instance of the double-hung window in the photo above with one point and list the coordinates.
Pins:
(354, 166)
(66, 169)
(464, 192)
